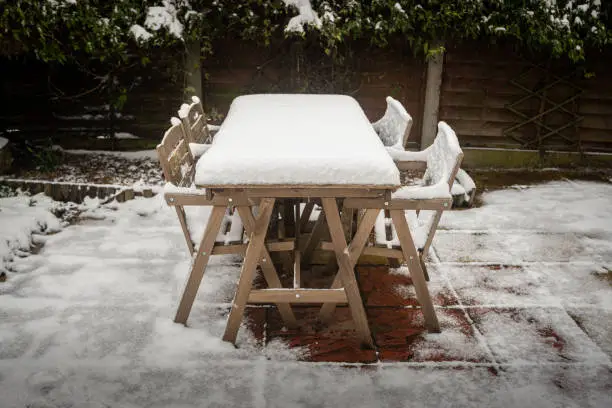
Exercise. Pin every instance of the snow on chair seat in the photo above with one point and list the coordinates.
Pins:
(394, 127)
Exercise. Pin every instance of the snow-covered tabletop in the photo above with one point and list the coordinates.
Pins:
(296, 140)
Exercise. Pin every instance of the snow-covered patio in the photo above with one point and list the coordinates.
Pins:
(522, 285)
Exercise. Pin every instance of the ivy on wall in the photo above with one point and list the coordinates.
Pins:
(106, 37)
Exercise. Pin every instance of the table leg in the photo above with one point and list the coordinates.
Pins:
(199, 264)
(316, 236)
(247, 273)
(346, 271)
(268, 269)
(364, 228)
(411, 257)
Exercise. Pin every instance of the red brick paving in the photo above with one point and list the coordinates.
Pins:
(395, 320)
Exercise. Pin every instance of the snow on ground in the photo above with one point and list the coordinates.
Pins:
(87, 321)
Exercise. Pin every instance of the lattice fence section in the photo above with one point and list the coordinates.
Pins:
(548, 110)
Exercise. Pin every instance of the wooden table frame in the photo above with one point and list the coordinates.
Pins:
(344, 289)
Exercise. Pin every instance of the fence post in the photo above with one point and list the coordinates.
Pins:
(193, 70)
(435, 67)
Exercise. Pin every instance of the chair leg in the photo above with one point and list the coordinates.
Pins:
(199, 265)
(414, 265)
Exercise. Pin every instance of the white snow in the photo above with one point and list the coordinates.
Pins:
(87, 321)
(3, 142)
(183, 111)
(391, 128)
(164, 16)
(139, 154)
(306, 16)
(140, 33)
(198, 149)
(296, 139)
(120, 135)
(465, 180)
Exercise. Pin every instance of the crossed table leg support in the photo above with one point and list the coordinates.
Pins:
(345, 290)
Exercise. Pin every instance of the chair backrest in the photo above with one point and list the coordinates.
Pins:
(175, 157)
(394, 127)
(444, 158)
(194, 120)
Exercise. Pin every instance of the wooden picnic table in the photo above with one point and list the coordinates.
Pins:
(306, 148)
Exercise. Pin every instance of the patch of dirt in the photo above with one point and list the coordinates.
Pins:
(98, 169)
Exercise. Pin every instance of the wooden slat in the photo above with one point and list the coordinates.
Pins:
(305, 191)
(241, 248)
(266, 264)
(364, 228)
(431, 204)
(251, 259)
(297, 296)
(297, 273)
(346, 271)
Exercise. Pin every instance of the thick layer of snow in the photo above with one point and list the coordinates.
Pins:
(465, 180)
(439, 190)
(296, 139)
(198, 149)
(391, 128)
(20, 217)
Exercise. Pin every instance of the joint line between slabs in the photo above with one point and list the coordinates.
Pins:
(479, 336)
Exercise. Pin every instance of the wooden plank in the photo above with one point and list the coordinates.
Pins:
(267, 266)
(347, 274)
(354, 250)
(411, 258)
(241, 248)
(370, 250)
(431, 204)
(199, 265)
(305, 216)
(247, 273)
(319, 231)
(297, 273)
(297, 296)
(307, 191)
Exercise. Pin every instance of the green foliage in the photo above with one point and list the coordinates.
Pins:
(116, 33)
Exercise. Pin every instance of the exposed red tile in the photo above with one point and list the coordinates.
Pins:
(336, 341)
(255, 321)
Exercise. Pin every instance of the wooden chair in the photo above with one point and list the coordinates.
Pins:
(442, 161)
(199, 213)
(394, 127)
(192, 205)
(406, 227)
(195, 127)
